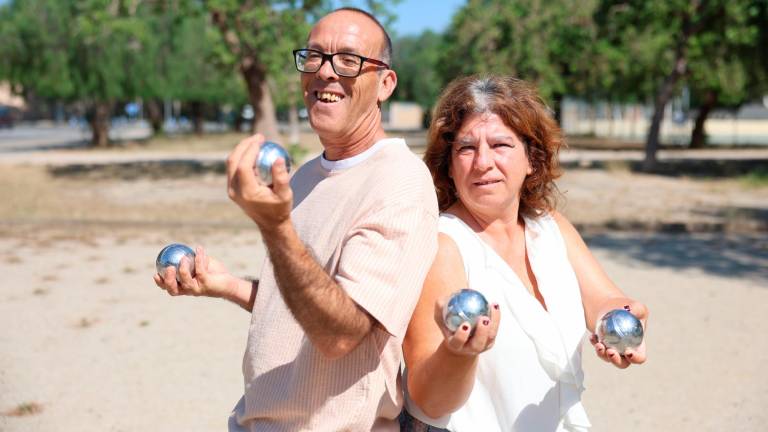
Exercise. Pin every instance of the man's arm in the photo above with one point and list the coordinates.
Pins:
(332, 320)
(334, 323)
(211, 279)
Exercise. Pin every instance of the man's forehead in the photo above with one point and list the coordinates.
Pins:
(346, 30)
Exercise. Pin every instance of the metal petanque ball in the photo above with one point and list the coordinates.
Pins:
(465, 305)
(268, 154)
(171, 256)
(619, 329)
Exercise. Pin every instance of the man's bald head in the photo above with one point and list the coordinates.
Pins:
(385, 54)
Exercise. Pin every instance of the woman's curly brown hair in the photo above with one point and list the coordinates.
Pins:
(520, 108)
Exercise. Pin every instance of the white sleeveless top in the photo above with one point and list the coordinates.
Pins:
(531, 380)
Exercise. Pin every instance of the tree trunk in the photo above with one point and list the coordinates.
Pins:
(557, 102)
(662, 97)
(237, 123)
(689, 28)
(294, 135)
(698, 136)
(155, 115)
(264, 118)
(100, 123)
(197, 116)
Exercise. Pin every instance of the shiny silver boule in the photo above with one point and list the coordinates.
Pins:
(171, 256)
(465, 305)
(268, 154)
(619, 329)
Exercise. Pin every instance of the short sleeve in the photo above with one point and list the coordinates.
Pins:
(384, 261)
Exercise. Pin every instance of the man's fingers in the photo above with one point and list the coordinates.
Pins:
(246, 177)
(201, 261)
(233, 161)
(281, 179)
(169, 279)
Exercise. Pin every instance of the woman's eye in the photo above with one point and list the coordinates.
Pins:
(465, 149)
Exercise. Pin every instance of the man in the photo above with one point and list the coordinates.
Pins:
(349, 243)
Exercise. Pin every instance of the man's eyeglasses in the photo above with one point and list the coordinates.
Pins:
(344, 64)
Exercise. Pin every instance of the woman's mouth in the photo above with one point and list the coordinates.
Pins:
(485, 182)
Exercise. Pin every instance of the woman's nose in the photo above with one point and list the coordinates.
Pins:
(483, 158)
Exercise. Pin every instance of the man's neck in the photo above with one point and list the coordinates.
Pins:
(343, 148)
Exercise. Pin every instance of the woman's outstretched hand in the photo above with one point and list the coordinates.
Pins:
(464, 341)
(631, 356)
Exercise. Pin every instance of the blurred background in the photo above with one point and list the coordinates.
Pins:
(116, 117)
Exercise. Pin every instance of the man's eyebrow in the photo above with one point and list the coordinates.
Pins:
(344, 49)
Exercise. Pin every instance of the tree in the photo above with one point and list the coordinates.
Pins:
(86, 51)
(257, 37)
(728, 65)
(673, 42)
(416, 61)
(542, 42)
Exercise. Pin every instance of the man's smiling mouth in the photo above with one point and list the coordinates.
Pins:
(328, 97)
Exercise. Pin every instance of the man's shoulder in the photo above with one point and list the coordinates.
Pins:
(397, 160)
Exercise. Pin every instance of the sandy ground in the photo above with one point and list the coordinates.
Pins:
(88, 343)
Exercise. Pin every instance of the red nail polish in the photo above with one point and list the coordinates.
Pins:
(496, 306)
(465, 327)
(629, 355)
(486, 322)
(626, 307)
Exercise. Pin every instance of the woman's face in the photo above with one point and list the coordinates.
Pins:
(488, 165)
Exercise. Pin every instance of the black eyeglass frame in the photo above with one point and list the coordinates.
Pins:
(329, 57)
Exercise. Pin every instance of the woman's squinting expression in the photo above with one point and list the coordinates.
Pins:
(488, 164)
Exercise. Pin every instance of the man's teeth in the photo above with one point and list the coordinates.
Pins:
(328, 97)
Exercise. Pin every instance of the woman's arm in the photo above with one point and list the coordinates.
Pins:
(599, 294)
(441, 364)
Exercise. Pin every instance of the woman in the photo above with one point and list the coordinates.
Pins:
(493, 153)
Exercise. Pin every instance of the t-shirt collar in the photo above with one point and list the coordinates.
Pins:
(349, 162)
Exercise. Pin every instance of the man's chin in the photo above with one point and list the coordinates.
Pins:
(325, 126)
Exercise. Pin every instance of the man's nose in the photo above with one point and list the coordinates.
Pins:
(326, 71)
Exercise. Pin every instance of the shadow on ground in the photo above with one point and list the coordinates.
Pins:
(696, 168)
(162, 169)
(728, 255)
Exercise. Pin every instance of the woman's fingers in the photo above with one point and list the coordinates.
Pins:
(458, 340)
(482, 336)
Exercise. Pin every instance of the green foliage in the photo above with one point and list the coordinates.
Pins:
(416, 60)
(100, 50)
(638, 43)
(543, 42)
(756, 178)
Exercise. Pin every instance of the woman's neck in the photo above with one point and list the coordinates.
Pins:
(496, 226)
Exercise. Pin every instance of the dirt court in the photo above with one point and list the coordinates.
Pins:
(88, 343)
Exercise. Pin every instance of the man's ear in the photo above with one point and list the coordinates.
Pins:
(387, 85)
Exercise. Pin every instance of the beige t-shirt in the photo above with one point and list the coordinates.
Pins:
(371, 223)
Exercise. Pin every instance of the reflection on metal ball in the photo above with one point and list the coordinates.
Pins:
(268, 154)
(619, 329)
(465, 305)
(171, 256)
